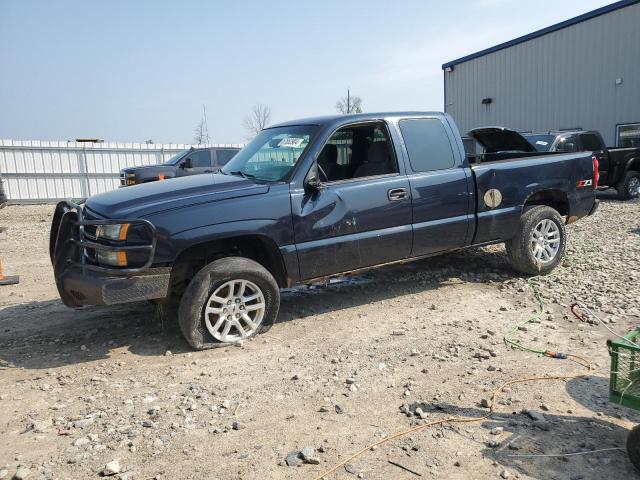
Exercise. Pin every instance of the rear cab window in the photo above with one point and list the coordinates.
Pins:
(427, 143)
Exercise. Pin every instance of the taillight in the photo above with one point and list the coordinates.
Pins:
(596, 171)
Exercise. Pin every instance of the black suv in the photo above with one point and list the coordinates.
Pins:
(193, 161)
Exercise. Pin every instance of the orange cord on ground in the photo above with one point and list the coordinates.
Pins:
(576, 358)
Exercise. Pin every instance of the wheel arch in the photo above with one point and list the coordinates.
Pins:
(259, 248)
(633, 165)
(551, 197)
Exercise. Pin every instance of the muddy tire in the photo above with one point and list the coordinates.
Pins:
(539, 244)
(629, 186)
(228, 300)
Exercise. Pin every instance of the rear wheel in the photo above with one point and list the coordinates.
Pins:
(229, 300)
(629, 187)
(539, 244)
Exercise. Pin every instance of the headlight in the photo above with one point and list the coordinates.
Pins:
(116, 232)
(115, 259)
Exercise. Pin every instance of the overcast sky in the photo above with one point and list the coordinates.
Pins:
(136, 70)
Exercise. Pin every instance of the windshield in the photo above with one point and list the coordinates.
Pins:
(541, 143)
(272, 154)
(176, 158)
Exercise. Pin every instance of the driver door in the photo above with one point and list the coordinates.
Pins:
(360, 215)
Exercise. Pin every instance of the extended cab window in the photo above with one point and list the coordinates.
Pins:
(427, 144)
(272, 154)
(357, 151)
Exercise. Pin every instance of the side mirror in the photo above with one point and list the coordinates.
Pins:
(312, 181)
(186, 164)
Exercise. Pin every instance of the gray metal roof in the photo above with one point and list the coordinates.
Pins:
(538, 33)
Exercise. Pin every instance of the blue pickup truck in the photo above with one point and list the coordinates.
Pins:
(307, 200)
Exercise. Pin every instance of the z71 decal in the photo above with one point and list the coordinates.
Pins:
(585, 183)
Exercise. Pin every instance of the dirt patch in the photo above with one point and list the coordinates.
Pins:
(80, 389)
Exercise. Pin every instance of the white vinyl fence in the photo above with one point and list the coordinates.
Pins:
(40, 171)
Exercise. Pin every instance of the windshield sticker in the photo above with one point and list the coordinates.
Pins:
(291, 142)
(542, 142)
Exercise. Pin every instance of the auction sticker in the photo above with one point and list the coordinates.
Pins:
(291, 142)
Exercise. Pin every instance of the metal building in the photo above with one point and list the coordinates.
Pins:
(580, 73)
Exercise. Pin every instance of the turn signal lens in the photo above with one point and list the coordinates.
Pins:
(114, 259)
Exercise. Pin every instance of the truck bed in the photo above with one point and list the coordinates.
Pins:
(516, 179)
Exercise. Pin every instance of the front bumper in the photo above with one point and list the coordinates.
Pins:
(92, 288)
(80, 281)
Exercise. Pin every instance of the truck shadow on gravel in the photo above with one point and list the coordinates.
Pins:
(46, 334)
(513, 437)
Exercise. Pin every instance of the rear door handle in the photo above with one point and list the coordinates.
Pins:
(396, 194)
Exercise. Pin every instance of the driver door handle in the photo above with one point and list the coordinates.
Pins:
(396, 194)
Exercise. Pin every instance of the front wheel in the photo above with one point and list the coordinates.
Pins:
(229, 300)
(629, 187)
(537, 247)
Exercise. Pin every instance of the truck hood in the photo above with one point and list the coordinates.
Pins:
(500, 139)
(150, 168)
(146, 199)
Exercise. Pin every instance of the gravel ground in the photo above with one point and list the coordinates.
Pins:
(100, 391)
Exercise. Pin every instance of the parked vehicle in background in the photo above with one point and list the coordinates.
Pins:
(193, 161)
(306, 200)
(619, 167)
(3, 194)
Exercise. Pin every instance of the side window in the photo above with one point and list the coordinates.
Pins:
(224, 156)
(201, 159)
(427, 144)
(567, 144)
(628, 135)
(357, 151)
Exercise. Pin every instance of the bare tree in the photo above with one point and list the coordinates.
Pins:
(201, 132)
(349, 104)
(257, 120)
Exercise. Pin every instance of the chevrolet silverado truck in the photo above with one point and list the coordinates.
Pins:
(619, 167)
(193, 161)
(304, 201)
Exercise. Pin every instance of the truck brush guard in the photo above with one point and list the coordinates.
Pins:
(68, 241)
(82, 279)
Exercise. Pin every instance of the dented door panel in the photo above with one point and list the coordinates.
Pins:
(350, 225)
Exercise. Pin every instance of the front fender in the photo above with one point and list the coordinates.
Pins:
(264, 231)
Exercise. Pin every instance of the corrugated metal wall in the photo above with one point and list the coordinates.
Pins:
(48, 171)
(562, 80)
